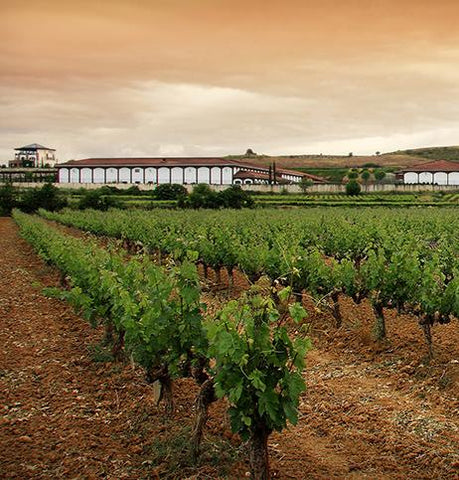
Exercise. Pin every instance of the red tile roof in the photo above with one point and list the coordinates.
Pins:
(435, 166)
(159, 162)
(148, 161)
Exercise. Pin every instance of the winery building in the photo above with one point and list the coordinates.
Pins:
(439, 172)
(33, 156)
(183, 170)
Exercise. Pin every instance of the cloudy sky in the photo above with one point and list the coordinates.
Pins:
(214, 77)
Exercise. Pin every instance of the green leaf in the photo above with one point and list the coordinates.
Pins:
(297, 312)
(268, 403)
(235, 393)
(284, 294)
(301, 347)
(247, 420)
(257, 382)
(291, 412)
(295, 385)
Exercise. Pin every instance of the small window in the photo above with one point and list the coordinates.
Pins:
(136, 170)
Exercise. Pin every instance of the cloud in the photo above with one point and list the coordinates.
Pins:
(213, 78)
(157, 118)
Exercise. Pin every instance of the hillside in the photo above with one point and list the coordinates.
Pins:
(389, 160)
(334, 167)
(432, 153)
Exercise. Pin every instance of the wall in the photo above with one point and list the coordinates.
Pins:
(319, 188)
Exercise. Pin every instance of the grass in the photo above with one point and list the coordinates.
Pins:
(434, 153)
(100, 354)
(172, 459)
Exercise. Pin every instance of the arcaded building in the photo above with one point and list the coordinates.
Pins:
(438, 172)
(183, 170)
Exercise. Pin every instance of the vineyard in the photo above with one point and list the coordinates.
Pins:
(367, 199)
(269, 200)
(143, 277)
(408, 261)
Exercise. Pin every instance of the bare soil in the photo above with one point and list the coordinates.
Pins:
(371, 411)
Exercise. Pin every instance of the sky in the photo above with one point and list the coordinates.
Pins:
(215, 77)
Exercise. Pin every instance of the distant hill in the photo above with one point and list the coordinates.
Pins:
(391, 160)
(432, 153)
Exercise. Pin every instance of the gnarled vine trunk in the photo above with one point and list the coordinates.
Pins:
(108, 336)
(336, 311)
(205, 398)
(258, 452)
(161, 373)
(118, 346)
(380, 326)
(426, 325)
(167, 394)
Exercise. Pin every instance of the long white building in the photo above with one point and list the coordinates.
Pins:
(213, 171)
(439, 172)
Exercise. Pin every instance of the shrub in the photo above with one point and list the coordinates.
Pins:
(235, 197)
(168, 191)
(47, 197)
(134, 190)
(202, 196)
(7, 199)
(352, 175)
(353, 188)
(96, 200)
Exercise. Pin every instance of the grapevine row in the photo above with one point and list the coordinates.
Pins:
(405, 260)
(153, 314)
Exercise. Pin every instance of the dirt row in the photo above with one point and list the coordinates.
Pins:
(376, 411)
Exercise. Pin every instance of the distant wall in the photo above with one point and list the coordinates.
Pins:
(319, 188)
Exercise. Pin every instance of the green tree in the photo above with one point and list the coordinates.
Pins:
(352, 174)
(305, 183)
(8, 199)
(380, 175)
(365, 175)
(353, 188)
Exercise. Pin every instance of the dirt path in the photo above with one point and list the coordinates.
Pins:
(62, 415)
(369, 413)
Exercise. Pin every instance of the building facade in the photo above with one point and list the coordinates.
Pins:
(155, 171)
(439, 172)
(33, 155)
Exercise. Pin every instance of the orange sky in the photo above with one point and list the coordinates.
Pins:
(217, 76)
